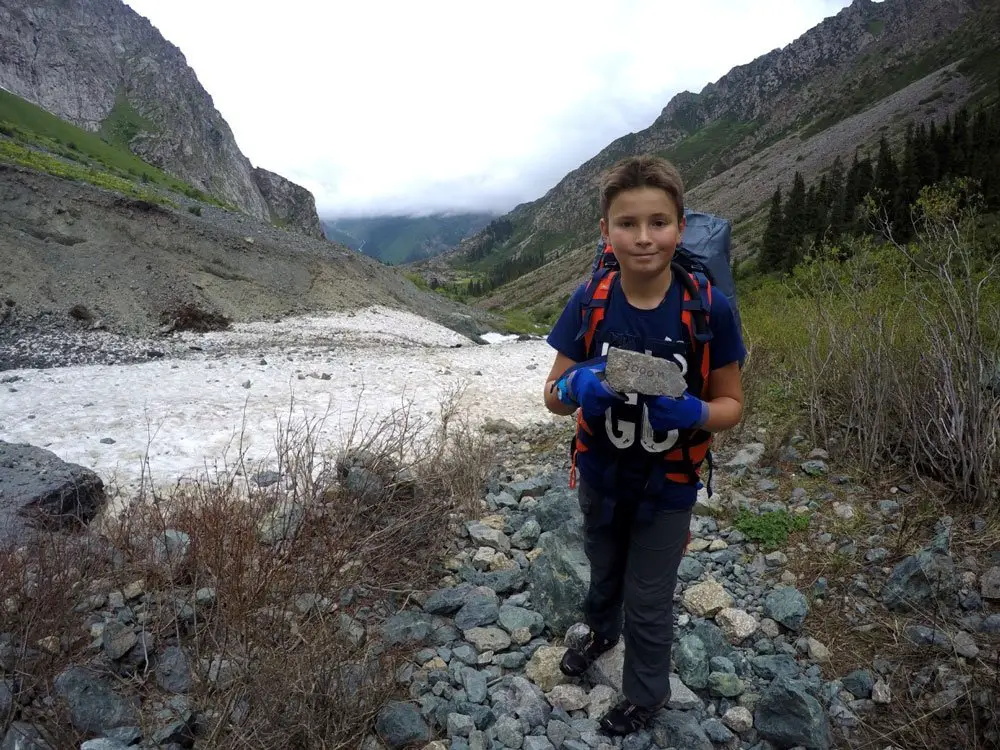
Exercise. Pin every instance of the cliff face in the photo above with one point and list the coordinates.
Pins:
(290, 204)
(103, 67)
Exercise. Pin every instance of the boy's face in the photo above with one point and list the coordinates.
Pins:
(643, 228)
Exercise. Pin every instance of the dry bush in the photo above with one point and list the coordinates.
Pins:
(188, 316)
(907, 371)
(40, 581)
(276, 593)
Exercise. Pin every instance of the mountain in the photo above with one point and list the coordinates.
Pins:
(101, 66)
(858, 75)
(404, 239)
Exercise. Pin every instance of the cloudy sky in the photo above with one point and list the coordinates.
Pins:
(392, 106)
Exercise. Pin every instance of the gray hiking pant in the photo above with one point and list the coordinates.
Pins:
(634, 563)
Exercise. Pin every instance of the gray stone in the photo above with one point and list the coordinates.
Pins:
(447, 601)
(173, 671)
(681, 697)
(488, 639)
(640, 740)
(6, 697)
(859, 683)
(535, 486)
(713, 638)
(527, 536)
(94, 706)
(487, 536)
(689, 569)
(512, 618)
(475, 683)
(38, 490)
(691, 660)
(459, 725)
(989, 584)
(920, 581)
(117, 639)
(103, 743)
(482, 607)
(408, 628)
(747, 456)
(717, 732)
(815, 467)
(559, 732)
(400, 724)
(25, 736)
(772, 666)
(530, 702)
(679, 729)
(724, 684)
(556, 508)
(635, 372)
(787, 606)
(535, 742)
(788, 715)
(560, 577)
(501, 581)
(508, 731)
(608, 668)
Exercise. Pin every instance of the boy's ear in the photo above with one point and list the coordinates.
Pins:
(604, 228)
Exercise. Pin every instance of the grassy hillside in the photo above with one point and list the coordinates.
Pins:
(403, 239)
(34, 138)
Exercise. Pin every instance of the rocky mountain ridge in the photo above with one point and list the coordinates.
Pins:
(861, 73)
(103, 67)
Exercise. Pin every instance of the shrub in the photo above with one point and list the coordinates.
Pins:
(188, 316)
(771, 528)
(276, 592)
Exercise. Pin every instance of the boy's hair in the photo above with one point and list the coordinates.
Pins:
(642, 171)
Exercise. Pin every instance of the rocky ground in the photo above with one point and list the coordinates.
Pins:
(775, 646)
(100, 268)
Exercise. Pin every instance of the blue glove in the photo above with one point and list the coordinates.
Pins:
(684, 413)
(583, 387)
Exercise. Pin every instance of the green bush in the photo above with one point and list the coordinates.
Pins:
(770, 529)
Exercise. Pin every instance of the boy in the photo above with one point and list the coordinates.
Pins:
(638, 456)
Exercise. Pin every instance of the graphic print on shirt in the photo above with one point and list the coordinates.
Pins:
(621, 432)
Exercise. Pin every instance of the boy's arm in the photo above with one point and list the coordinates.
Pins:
(724, 398)
(552, 402)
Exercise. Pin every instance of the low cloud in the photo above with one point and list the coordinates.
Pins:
(391, 107)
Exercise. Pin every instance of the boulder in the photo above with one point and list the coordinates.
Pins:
(40, 490)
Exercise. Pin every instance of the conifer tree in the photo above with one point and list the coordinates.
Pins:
(796, 219)
(772, 253)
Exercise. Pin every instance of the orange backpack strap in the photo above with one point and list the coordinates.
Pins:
(595, 302)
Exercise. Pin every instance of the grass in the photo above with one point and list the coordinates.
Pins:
(698, 154)
(107, 160)
(771, 529)
(15, 153)
(524, 322)
(123, 123)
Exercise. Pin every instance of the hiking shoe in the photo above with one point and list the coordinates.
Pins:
(576, 661)
(626, 718)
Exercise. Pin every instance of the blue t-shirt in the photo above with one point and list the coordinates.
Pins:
(634, 448)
